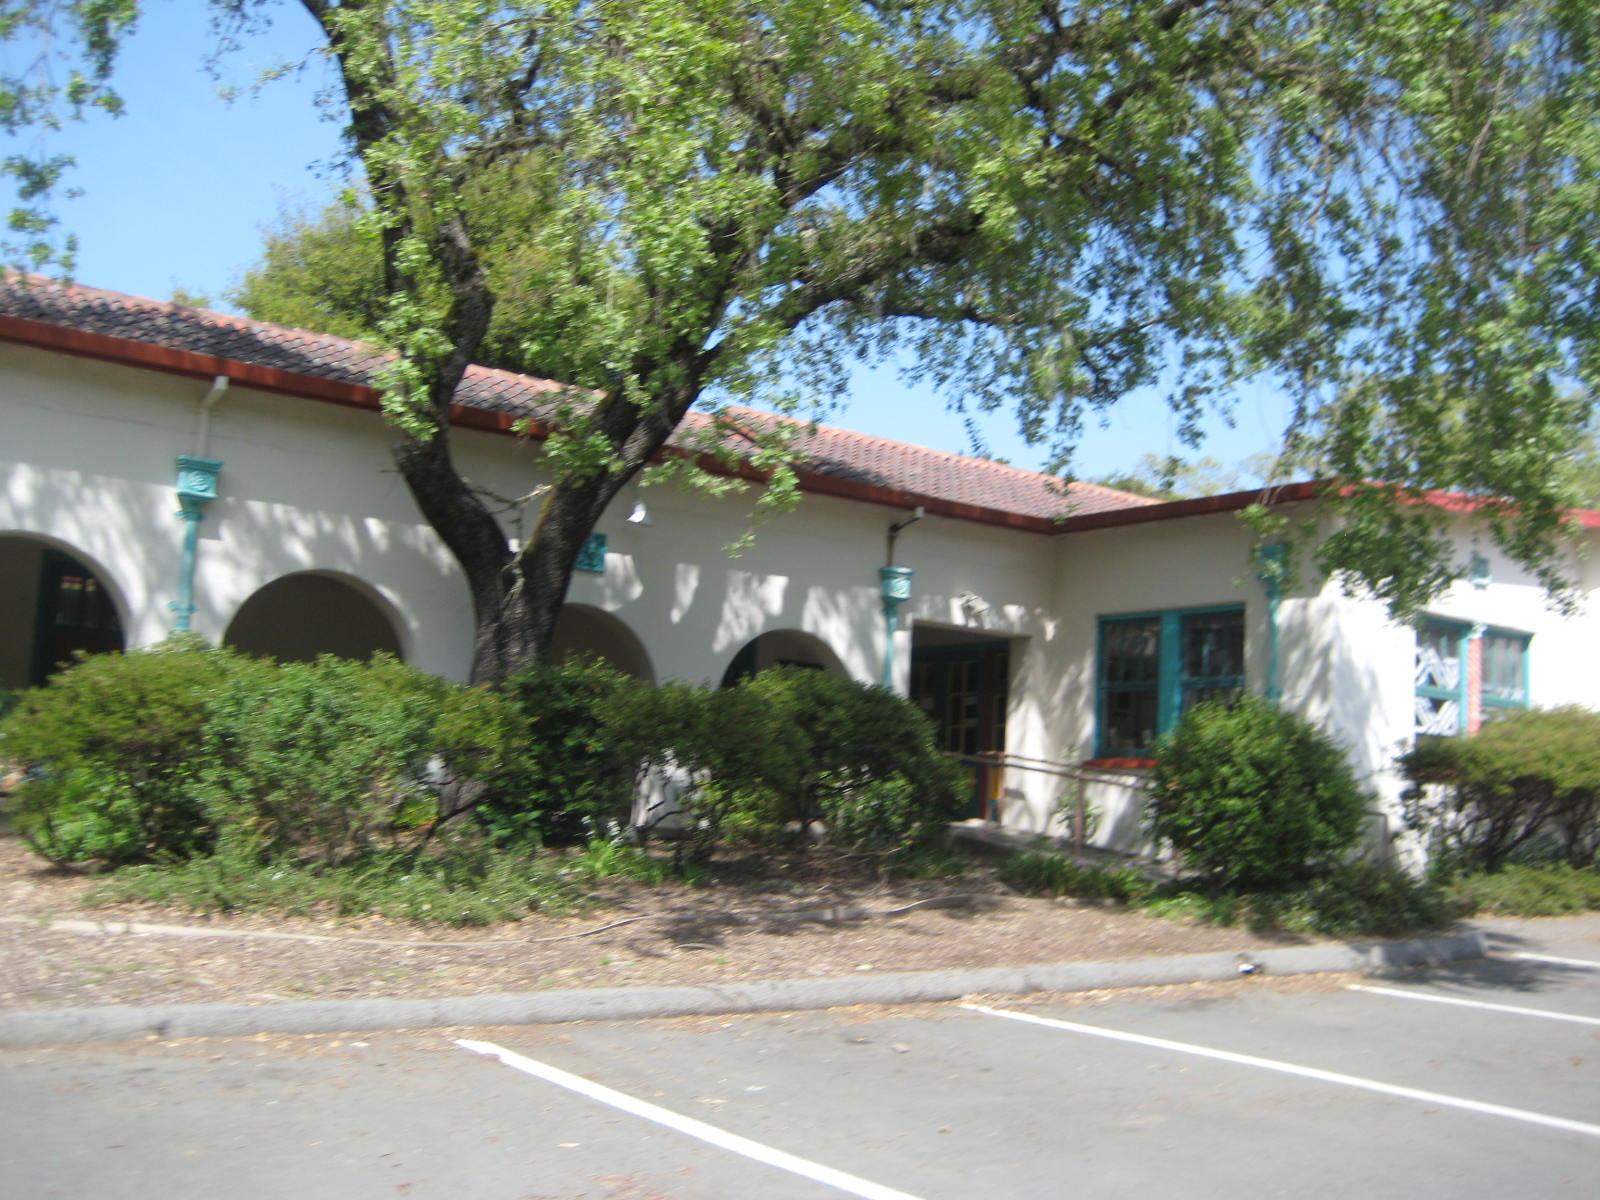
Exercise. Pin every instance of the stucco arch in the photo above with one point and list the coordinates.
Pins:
(582, 629)
(783, 647)
(54, 600)
(298, 617)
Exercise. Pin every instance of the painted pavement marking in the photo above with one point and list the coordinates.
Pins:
(1483, 1004)
(710, 1134)
(1268, 1064)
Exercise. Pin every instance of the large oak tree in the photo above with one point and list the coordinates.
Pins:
(1383, 208)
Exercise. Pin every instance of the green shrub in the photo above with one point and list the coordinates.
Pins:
(788, 748)
(115, 743)
(1252, 796)
(1529, 891)
(324, 761)
(562, 771)
(858, 758)
(1527, 785)
(1361, 899)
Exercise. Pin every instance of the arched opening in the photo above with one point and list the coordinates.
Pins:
(783, 648)
(582, 630)
(52, 605)
(297, 618)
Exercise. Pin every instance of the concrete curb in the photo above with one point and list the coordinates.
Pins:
(49, 1027)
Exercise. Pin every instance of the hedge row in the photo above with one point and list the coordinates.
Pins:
(184, 750)
(1523, 788)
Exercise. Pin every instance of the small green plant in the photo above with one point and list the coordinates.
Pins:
(1055, 875)
(1552, 890)
(462, 885)
(1253, 797)
(1353, 900)
(608, 858)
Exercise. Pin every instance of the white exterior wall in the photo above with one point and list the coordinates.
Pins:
(87, 462)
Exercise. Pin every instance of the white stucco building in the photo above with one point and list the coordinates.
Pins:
(1054, 628)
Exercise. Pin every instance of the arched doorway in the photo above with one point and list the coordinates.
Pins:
(297, 618)
(53, 605)
(783, 648)
(584, 630)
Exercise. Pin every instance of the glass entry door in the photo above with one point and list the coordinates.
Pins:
(964, 689)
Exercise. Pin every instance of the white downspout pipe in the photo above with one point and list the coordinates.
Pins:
(202, 420)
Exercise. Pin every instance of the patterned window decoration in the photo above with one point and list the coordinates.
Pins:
(1441, 703)
(1155, 666)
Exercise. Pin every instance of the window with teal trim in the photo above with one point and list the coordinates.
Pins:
(1505, 670)
(1155, 666)
(1444, 675)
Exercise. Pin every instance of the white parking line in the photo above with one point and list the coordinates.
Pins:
(688, 1125)
(1584, 963)
(1483, 1004)
(1267, 1064)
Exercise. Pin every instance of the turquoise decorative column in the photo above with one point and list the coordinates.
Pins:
(895, 586)
(197, 487)
(1273, 564)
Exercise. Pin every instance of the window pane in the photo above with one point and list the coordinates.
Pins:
(1504, 659)
(1133, 650)
(1213, 646)
(1130, 721)
(1199, 695)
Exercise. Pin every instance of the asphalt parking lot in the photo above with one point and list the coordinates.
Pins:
(1476, 1080)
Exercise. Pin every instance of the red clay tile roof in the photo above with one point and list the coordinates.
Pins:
(854, 463)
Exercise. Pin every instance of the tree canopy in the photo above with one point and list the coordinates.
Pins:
(1383, 209)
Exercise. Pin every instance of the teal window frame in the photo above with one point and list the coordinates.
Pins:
(1461, 693)
(1493, 697)
(1169, 684)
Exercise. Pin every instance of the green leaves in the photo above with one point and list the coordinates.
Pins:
(1383, 210)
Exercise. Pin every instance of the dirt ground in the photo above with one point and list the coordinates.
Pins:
(809, 917)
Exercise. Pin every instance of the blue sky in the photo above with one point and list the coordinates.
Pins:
(178, 191)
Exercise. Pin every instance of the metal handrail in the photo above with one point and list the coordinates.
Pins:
(1079, 773)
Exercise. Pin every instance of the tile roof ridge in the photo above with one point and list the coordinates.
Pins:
(967, 460)
(879, 439)
(131, 301)
(1116, 491)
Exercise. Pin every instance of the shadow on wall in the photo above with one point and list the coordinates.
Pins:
(582, 630)
(298, 617)
(782, 648)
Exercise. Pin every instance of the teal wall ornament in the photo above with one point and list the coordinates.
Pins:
(593, 555)
(894, 584)
(197, 487)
